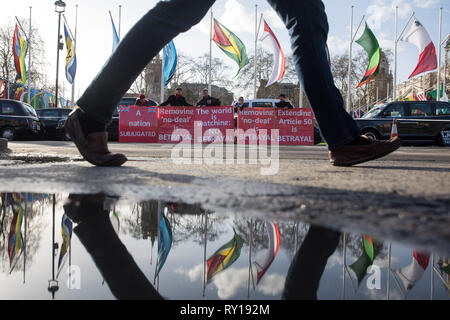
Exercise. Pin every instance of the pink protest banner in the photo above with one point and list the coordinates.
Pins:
(296, 126)
(138, 124)
(255, 125)
(176, 124)
(217, 124)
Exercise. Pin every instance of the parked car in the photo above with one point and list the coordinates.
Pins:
(113, 127)
(418, 122)
(53, 120)
(18, 120)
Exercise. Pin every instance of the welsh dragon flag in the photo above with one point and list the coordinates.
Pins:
(229, 43)
(370, 44)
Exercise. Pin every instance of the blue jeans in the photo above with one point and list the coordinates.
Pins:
(308, 28)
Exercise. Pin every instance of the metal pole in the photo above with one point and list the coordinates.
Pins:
(350, 61)
(75, 49)
(394, 93)
(163, 85)
(300, 94)
(389, 272)
(210, 53)
(438, 95)
(57, 61)
(256, 51)
(344, 253)
(432, 278)
(204, 253)
(29, 61)
(120, 19)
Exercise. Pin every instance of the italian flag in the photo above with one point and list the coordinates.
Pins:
(419, 37)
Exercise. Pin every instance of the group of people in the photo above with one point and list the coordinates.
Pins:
(178, 100)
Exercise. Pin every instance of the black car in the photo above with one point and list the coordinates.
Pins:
(18, 120)
(52, 121)
(113, 127)
(418, 122)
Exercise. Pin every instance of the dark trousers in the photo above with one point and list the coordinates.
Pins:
(308, 28)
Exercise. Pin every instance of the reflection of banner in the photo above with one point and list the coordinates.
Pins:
(215, 122)
(176, 124)
(251, 121)
(296, 126)
(138, 124)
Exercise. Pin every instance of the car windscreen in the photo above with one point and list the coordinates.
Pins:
(30, 110)
(373, 112)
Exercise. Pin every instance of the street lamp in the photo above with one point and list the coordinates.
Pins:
(60, 7)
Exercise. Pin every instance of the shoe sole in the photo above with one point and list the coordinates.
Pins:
(369, 158)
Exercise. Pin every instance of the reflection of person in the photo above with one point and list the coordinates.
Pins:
(308, 265)
(113, 260)
(176, 100)
(207, 100)
(308, 28)
(283, 103)
(141, 101)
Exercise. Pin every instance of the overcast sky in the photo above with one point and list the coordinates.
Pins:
(95, 35)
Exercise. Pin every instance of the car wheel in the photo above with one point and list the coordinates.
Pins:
(371, 134)
(8, 133)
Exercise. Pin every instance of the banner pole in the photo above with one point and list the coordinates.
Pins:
(210, 53)
(72, 103)
(350, 60)
(29, 62)
(438, 95)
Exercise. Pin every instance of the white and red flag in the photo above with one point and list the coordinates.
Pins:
(279, 66)
(419, 37)
(411, 274)
(274, 244)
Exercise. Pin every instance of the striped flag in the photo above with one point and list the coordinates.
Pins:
(411, 274)
(224, 257)
(19, 51)
(71, 58)
(15, 238)
(274, 244)
(230, 44)
(370, 44)
(419, 37)
(279, 66)
(66, 232)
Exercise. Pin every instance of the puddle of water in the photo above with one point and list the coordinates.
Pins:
(95, 247)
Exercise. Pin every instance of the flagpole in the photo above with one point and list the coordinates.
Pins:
(350, 61)
(162, 76)
(29, 61)
(25, 240)
(250, 257)
(438, 95)
(389, 272)
(394, 92)
(432, 277)
(204, 254)
(256, 51)
(120, 19)
(210, 52)
(344, 254)
(75, 49)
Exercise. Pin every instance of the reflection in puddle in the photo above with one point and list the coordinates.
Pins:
(101, 247)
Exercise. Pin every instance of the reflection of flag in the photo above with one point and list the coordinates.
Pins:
(279, 66)
(230, 44)
(170, 62)
(66, 232)
(15, 239)
(225, 256)
(274, 244)
(164, 240)
(115, 35)
(71, 58)
(365, 260)
(19, 52)
(370, 44)
(411, 274)
(419, 37)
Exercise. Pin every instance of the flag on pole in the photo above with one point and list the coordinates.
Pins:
(411, 274)
(164, 240)
(370, 44)
(419, 37)
(279, 65)
(15, 238)
(365, 260)
(274, 244)
(230, 44)
(19, 51)
(66, 232)
(170, 62)
(71, 58)
(225, 256)
(116, 39)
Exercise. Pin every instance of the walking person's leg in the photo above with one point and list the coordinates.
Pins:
(144, 41)
(307, 23)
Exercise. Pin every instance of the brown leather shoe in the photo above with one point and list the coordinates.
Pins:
(94, 148)
(350, 155)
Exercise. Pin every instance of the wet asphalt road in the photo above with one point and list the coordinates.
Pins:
(403, 197)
